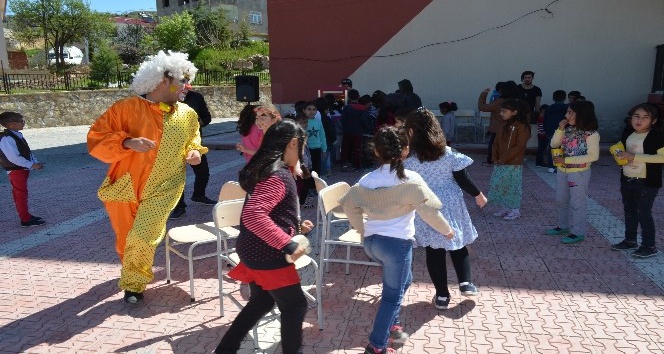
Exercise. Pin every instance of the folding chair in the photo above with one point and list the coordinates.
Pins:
(320, 184)
(227, 214)
(198, 234)
(331, 213)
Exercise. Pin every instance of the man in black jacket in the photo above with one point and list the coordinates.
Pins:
(196, 101)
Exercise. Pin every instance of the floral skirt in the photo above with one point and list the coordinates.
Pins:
(505, 186)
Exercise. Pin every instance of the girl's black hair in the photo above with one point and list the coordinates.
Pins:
(652, 110)
(269, 157)
(509, 89)
(522, 113)
(447, 106)
(247, 119)
(585, 115)
(388, 143)
(427, 140)
(521, 108)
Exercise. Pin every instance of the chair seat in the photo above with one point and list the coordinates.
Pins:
(199, 232)
(339, 213)
(303, 261)
(193, 233)
(351, 236)
(235, 259)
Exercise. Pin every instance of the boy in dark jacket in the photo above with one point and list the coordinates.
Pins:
(552, 117)
(17, 158)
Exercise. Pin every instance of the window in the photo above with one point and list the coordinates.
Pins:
(166, 3)
(255, 17)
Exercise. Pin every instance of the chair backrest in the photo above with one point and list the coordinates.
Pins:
(320, 183)
(227, 213)
(330, 195)
(231, 190)
(465, 117)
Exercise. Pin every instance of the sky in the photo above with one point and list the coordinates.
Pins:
(115, 6)
(122, 5)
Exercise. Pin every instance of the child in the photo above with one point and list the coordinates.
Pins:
(509, 147)
(389, 196)
(641, 178)
(542, 141)
(448, 120)
(17, 158)
(316, 140)
(444, 170)
(251, 134)
(269, 220)
(577, 136)
(554, 114)
(265, 116)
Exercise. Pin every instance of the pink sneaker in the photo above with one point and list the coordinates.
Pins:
(397, 335)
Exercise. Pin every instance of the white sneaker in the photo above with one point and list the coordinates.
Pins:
(513, 214)
(502, 212)
(552, 170)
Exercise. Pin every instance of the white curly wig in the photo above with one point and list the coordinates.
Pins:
(151, 71)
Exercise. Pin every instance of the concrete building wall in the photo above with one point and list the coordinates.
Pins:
(451, 50)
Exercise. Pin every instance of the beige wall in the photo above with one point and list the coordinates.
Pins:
(61, 109)
(603, 48)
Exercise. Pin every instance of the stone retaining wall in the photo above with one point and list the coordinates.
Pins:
(60, 109)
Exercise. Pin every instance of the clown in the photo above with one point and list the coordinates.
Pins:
(146, 139)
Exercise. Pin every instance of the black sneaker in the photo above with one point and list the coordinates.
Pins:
(177, 213)
(133, 298)
(645, 252)
(34, 221)
(468, 289)
(441, 302)
(203, 200)
(624, 245)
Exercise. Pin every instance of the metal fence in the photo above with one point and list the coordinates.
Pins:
(70, 81)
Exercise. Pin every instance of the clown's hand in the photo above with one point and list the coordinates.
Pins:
(193, 157)
(139, 144)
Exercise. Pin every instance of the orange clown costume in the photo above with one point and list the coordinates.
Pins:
(141, 188)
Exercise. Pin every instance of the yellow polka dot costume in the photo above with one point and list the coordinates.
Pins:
(141, 188)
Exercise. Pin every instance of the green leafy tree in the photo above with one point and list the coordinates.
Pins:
(130, 44)
(103, 68)
(213, 28)
(176, 32)
(58, 23)
(243, 32)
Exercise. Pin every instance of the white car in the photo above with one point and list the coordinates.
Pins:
(72, 55)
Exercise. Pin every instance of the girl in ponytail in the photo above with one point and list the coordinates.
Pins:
(389, 196)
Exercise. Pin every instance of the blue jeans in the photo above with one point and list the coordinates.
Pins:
(637, 201)
(396, 257)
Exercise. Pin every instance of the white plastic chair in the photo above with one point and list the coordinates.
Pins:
(195, 235)
(483, 124)
(464, 119)
(331, 213)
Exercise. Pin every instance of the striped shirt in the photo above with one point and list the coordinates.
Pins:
(269, 220)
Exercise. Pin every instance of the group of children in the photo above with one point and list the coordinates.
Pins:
(413, 198)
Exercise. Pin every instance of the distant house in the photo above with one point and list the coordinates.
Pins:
(252, 11)
(146, 22)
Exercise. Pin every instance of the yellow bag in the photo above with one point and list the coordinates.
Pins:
(615, 149)
(557, 152)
